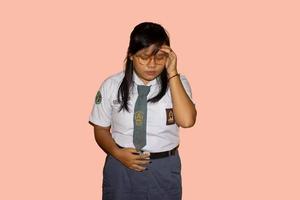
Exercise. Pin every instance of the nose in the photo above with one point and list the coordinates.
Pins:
(152, 62)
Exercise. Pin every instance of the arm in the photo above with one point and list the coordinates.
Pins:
(105, 141)
(128, 156)
(184, 110)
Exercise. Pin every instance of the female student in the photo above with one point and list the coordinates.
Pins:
(136, 118)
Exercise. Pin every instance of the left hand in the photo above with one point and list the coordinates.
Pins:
(171, 64)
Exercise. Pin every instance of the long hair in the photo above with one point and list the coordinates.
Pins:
(142, 36)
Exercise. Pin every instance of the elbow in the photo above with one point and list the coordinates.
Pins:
(188, 123)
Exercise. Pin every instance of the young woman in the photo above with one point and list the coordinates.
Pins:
(136, 118)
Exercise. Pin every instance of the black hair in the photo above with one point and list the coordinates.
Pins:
(142, 36)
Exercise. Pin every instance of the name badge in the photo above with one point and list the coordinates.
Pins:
(170, 116)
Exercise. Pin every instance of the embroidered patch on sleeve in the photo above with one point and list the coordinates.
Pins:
(170, 116)
(98, 98)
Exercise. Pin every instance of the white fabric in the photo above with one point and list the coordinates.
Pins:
(160, 136)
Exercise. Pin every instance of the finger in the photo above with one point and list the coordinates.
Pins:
(145, 160)
(138, 168)
(140, 157)
(132, 150)
(171, 54)
(168, 51)
(142, 162)
(166, 48)
(144, 156)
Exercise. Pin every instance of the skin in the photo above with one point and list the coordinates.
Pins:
(152, 67)
(127, 156)
(183, 108)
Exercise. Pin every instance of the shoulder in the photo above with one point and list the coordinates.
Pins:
(113, 81)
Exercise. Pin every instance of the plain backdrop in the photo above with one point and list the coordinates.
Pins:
(242, 61)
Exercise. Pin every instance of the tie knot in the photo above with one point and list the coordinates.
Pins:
(143, 90)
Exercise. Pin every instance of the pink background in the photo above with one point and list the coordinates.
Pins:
(242, 60)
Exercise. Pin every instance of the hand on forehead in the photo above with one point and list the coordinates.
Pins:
(154, 49)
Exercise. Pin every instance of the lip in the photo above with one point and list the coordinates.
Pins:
(150, 73)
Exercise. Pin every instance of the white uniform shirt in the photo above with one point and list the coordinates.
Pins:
(162, 131)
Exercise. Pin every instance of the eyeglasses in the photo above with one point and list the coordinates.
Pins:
(159, 59)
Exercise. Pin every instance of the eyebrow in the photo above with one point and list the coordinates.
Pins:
(159, 54)
(154, 53)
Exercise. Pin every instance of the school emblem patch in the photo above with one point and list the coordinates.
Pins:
(170, 116)
(98, 98)
(138, 118)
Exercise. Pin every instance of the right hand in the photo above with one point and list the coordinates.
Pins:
(131, 158)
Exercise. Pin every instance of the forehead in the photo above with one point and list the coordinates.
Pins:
(150, 50)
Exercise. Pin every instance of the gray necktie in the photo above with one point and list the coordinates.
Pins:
(140, 117)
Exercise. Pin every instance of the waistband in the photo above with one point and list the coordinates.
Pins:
(162, 154)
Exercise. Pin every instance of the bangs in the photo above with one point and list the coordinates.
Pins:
(147, 34)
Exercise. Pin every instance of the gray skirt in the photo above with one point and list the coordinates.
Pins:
(162, 180)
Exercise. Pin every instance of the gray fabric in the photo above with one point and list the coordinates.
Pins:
(140, 117)
(162, 180)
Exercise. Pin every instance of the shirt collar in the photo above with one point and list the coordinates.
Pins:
(138, 81)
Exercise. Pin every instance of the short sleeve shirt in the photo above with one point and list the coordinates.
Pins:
(162, 131)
